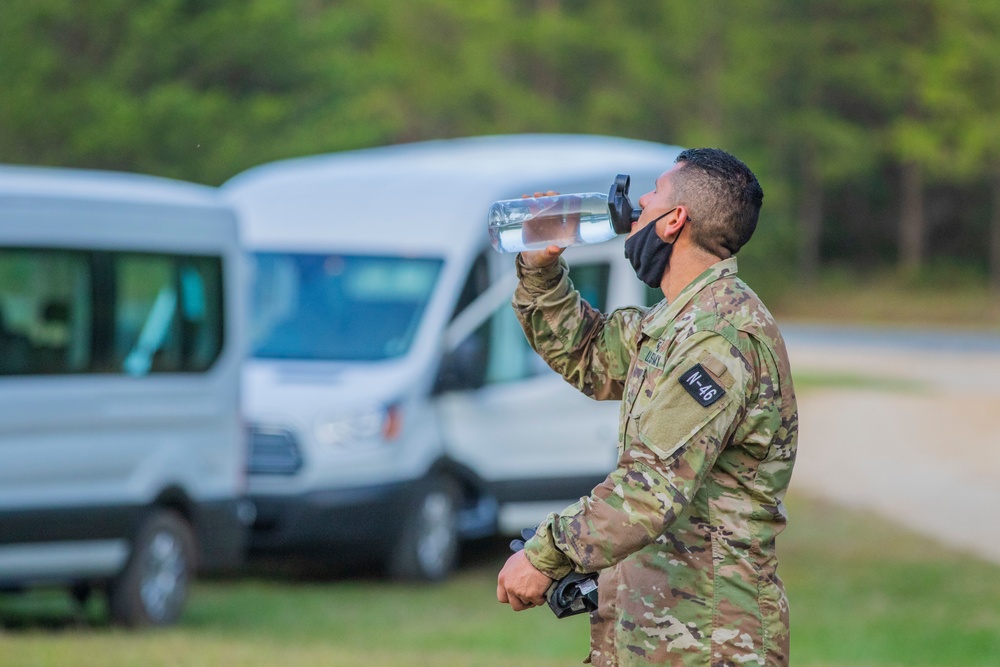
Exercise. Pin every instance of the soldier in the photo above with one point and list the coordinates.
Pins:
(683, 530)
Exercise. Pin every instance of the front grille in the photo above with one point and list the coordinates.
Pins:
(273, 452)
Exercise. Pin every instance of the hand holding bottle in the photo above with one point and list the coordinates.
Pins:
(536, 259)
(547, 256)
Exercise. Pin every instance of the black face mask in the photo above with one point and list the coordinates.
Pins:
(648, 253)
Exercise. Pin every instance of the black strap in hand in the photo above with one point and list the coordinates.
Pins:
(575, 593)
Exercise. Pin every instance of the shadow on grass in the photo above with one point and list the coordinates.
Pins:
(57, 609)
(53, 609)
(339, 566)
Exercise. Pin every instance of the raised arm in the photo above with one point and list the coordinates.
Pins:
(591, 350)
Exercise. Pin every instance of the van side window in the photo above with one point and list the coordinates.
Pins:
(465, 367)
(511, 358)
(591, 281)
(201, 311)
(167, 313)
(45, 311)
(475, 284)
(145, 315)
(71, 311)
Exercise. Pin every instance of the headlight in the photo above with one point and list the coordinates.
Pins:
(358, 427)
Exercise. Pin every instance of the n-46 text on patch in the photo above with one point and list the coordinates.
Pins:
(701, 386)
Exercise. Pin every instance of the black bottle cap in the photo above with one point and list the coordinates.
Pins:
(623, 213)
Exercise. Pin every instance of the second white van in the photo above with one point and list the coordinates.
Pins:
(395, 406)
(121, 444)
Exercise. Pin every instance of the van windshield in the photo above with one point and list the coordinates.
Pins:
(337, 307)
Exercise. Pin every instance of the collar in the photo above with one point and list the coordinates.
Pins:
(657, 320)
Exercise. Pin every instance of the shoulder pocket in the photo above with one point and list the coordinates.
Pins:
(692, 395)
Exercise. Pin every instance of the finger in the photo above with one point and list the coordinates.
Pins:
(517, 604)
(502, 594)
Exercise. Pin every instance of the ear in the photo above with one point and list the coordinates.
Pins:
(669, 228)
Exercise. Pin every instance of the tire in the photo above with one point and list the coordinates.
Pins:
(428, 546)
(153, 587)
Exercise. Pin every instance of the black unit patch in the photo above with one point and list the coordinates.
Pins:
(701, 385)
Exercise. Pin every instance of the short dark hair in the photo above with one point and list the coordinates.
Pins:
(723, 196)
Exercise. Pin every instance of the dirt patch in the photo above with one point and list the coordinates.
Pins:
(928, 457)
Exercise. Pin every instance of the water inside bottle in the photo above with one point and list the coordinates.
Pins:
(535, 224)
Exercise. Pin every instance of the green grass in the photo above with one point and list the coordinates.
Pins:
(940, 300)
(862, 592)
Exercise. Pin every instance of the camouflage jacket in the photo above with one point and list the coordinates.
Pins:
(683, 530)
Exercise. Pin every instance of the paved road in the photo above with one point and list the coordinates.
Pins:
(920, 443)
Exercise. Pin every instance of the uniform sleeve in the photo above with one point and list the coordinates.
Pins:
(590, 350)
(678, 436)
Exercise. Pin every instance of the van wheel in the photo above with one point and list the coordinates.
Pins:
(153, 587)
(428, 546)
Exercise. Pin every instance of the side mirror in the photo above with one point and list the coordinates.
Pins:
(463, 368)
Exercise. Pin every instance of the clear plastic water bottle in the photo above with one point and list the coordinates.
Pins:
(535, 223)
(561, 220)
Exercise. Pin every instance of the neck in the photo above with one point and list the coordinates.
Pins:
(684, 267)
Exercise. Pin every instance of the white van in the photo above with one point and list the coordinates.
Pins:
(395, 405)
(122, 451)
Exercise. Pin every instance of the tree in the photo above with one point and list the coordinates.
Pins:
(832, 103)
(819, 111)
(197, 89)
(910, 132)
(963, 90)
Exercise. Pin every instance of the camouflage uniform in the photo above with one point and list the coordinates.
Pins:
(684, 529)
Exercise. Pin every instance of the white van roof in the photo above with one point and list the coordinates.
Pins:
(95, 185)
(57, 206)
(427, 198)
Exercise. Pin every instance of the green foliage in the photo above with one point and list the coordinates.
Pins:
(818, 96)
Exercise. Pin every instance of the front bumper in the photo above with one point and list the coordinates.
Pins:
(318, 520)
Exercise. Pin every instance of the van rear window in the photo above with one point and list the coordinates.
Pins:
(337, 307)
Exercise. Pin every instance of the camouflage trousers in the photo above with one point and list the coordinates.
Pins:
(642, 620)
